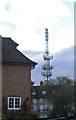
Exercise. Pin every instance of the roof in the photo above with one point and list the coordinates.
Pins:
(11, 55)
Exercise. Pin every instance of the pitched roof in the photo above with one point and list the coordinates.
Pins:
(11, 55)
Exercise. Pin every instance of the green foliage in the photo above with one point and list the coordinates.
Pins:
(25, 113)
(61, 92)
(4, 109)
(75, 94)
(4, 117)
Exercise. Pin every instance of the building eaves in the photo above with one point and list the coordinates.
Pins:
(11, 55)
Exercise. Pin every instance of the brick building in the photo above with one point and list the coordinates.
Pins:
(16, 75)
(40, 104)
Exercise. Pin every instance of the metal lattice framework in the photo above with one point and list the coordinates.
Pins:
(47, 67)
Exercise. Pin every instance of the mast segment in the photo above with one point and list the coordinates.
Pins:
(47, 68)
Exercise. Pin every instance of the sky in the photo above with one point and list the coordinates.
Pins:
(25, 22)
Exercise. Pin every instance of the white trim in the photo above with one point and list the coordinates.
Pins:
(13, 108)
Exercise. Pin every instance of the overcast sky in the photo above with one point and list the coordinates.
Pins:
(25, 21)
(63, 63)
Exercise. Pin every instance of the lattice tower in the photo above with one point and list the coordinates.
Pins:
(47, 67)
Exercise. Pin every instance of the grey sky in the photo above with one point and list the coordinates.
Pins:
(63, 63)
(25, 21)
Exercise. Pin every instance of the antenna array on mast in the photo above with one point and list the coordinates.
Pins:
(47, 68)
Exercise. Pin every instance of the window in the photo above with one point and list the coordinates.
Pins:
(41, 109)
(33, 93)
(34, 107)
(14, 103)
(45, 116)
(44, 92)
(41, 116)
(41, 100)
(34, 100)
(45, 108)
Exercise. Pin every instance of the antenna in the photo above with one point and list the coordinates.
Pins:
(47, 68)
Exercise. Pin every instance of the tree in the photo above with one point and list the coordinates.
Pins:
(61, 92)
(64, 95)
(25, 113)
(75, 96)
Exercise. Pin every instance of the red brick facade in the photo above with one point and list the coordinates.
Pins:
(16, 75)
(16, 81)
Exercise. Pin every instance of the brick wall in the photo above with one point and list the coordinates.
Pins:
(16, 81)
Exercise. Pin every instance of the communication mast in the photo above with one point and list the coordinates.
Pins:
(47, 67)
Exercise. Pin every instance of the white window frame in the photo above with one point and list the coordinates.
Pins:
(13, 108)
